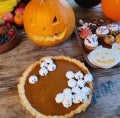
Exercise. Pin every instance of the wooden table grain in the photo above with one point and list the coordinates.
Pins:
(106, 99)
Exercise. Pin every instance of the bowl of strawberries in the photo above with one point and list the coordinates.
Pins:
(8, 36)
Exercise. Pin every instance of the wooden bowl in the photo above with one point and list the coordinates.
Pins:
(9, 44)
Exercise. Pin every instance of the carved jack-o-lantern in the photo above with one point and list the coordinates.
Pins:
(48, 22)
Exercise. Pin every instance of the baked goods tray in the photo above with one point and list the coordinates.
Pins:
(105, 51)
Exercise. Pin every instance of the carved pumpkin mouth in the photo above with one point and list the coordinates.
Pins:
(40, 39)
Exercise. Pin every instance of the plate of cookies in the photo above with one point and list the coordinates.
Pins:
(99, 41)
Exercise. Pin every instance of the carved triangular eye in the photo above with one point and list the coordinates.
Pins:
(55, 20)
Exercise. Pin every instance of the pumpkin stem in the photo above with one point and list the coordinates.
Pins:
(42, 1)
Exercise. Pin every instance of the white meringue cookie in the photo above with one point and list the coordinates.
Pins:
(48, 60)
(77, 99)
(81, 97)
(70, 75)
(86, 90)
(59, 97)
(78, 75)
(88, 77)
(66, 103)
(33, 79)
(51, 67)
(76, 90)
(81, 83)
(67, 91)
(69, 96)
(72, 83)
(43, 64)
(43, 71)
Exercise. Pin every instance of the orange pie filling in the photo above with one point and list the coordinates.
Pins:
(42, 93)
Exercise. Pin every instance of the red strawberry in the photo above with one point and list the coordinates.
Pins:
(85, 32)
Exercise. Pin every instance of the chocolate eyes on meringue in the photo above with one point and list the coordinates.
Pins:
(77, 90)
(46, 66)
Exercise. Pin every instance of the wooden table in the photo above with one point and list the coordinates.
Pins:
(106, 100)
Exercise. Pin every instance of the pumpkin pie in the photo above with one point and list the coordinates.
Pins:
(56, 87)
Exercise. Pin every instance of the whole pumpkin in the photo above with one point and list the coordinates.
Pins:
(111, 8)
(48, 22)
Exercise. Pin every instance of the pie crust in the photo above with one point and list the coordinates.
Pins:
(25, 102)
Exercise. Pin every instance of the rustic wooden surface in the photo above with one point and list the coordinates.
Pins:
(106, 99)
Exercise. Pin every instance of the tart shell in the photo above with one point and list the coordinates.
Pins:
(24, 101)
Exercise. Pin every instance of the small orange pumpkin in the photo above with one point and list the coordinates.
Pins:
(48, 22)
(111, 8)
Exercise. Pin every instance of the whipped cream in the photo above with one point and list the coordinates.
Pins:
(72, 83)
(88, 77)
(70, 75)
(86, 90)
(33, 79)
(59, 97)
(81, 83)
(43, 71)
(78, 75)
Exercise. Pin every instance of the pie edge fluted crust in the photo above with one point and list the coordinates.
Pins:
(24, 101)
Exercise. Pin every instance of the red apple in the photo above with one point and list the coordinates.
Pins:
(7, 17)
(19, 10)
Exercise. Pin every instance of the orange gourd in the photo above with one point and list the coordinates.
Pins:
(111, 9)
(48, 22)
